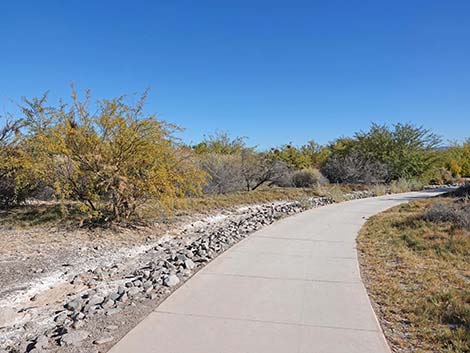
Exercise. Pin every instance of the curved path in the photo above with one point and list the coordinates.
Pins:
(292, 287)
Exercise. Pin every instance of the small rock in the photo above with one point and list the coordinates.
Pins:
(108, 304)
(78, 324)
(153, 296)
(74, 305)
(113, 311)
(61, 317)
(189, 264)
(103, 340)
(95, 300)
(123, 298)
(133, 291)
(73, 338)
(171, 281)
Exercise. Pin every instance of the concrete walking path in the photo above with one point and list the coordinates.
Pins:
(292, 287)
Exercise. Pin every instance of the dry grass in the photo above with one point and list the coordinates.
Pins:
(52, 214)
(40, 214)
(418, 275)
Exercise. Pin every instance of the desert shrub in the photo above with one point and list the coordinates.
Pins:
(224, 171)
(355, 169)
(336, 193)
(383, 153)
(234, 166)
(406, 150)
(378, 189)
(220, 143)
(292, 156)
(307, 178)
(458, 216)
(20, 172)
(112, 157)
(463, 191)
(309, 155)
(415, 185)
(405, 185)
(454, 168)
(281, 174)
(260, 168)
(438, 176)
(456, 158)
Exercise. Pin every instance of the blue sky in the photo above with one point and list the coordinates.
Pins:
(273, 71)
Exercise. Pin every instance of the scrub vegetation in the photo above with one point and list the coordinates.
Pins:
(415, 260)
(108, 161)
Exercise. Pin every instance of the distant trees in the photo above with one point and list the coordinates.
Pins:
(382, 154)
(310, 155)
(233, 166)
(456, 158)
(354, 168)
(111, 157)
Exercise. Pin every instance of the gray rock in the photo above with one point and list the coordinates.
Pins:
(137, 283)
(171, 281)
(75, 304)
(133, 291)
(61, 317)
(107, 304)
(79, 316)
(147, 284)
(73, 338)
(113, 311)
(153, 296)
(114, 296)
(95, 300)
(189, 264)
(78, 324)
(103, 340)
(123, 298)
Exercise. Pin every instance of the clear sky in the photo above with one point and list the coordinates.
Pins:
(273, 71)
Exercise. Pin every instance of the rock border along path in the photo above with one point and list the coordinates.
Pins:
(292, 287)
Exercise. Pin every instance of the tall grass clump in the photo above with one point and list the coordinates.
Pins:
(378, 189)
(405, 185)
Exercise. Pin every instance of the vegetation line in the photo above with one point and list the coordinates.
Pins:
(114, 160)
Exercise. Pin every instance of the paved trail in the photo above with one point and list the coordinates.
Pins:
(292, 287)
